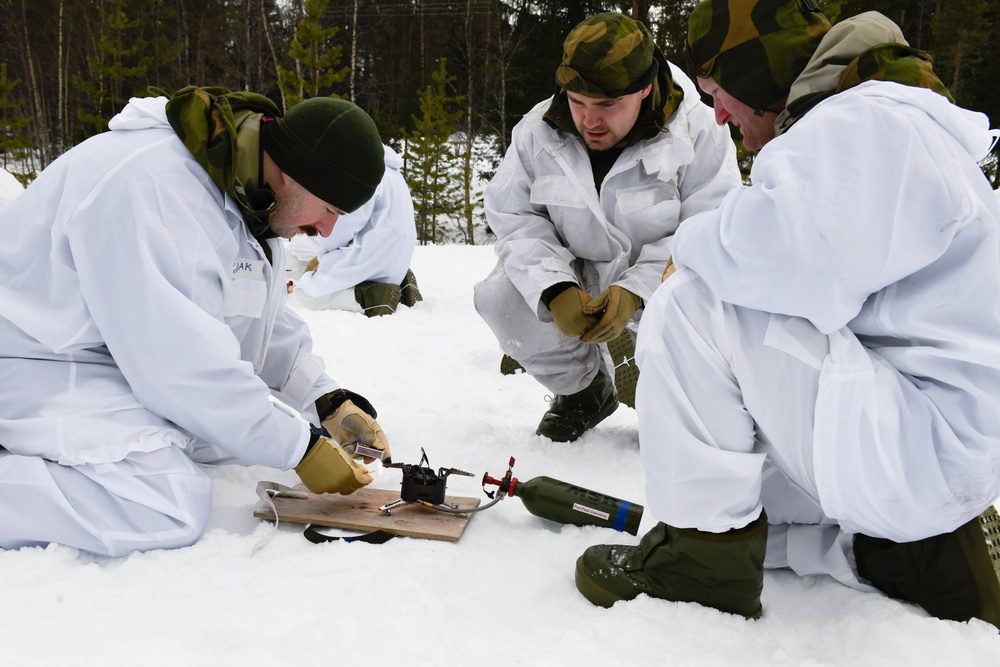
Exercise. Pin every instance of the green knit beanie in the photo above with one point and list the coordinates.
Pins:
(754, 49)
(330, 147)
(607, 55)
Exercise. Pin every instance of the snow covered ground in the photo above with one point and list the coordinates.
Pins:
(503, 594)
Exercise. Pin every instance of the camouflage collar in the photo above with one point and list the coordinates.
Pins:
(222, 131)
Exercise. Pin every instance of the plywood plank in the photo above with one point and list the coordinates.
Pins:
(360, 511)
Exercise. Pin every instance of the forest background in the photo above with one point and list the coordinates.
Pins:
(445, 80)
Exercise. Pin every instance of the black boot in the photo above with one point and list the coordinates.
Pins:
(721, 570)
(955, 576)
(569, 416)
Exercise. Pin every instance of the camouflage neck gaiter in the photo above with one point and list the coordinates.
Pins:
(222, 131)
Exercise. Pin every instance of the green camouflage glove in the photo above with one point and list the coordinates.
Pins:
(327, 468)
(615, 306)
(567, 312)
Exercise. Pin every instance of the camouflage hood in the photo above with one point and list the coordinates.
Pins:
(866, 47)
(221, 129)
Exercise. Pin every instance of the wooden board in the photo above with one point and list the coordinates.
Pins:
(360, 511)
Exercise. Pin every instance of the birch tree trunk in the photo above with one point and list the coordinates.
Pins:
(274, 54)
(467, 172)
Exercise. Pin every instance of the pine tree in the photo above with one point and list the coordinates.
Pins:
(432, 159)
(166, 47)
(116, 71)
(15, 141)
(316, 60)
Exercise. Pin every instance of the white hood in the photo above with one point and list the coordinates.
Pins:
(970, 128)
(141, 113)
(392, 158)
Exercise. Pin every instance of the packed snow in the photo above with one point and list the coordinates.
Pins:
(502, 594)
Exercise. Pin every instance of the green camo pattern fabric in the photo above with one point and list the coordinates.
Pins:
(728, 40)
(221, 130)
(884, 62)
(609, 55)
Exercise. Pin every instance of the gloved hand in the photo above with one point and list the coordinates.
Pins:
(349, 425)
(669, 269)
(327, 468)
(615, 306)
(567, 312)
(312, 265)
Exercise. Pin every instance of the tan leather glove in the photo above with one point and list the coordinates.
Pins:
(615, 306)
(669, 269)
(349, 425)
(567, 312)
(312, 265)
(327, 468)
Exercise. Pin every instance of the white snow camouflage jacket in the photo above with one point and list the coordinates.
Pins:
(871, 219)
(546, 212)
(137, 313)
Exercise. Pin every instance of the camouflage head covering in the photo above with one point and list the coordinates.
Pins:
(866, 47)
(894, 62)
(754, 49)
(607, 55)
(891, 61)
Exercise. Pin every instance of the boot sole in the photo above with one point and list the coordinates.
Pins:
(410, 293)
(980, 542)
(622, 351)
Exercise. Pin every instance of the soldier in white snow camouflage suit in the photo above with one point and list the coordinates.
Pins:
(820, 384)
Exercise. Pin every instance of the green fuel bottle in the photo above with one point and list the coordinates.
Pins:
(567, 503)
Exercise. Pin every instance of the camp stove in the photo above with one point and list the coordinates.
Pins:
(424, 486)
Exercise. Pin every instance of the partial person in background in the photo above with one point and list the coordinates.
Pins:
(10, 188)
(143, 324)
(364, 264)
(584, 207)
(820, 383)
